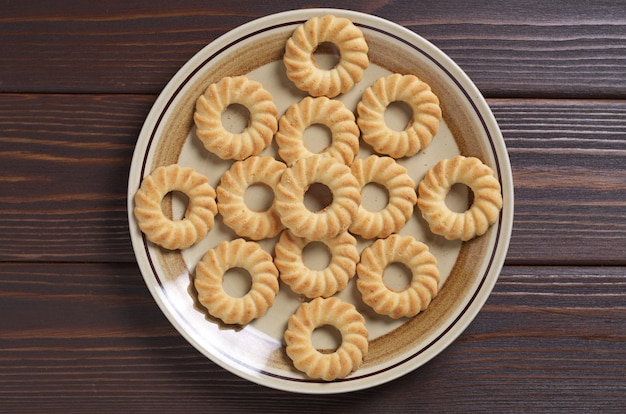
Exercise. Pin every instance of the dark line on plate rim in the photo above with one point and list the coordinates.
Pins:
(485, 128)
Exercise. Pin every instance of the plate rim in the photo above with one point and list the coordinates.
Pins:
(498, 149)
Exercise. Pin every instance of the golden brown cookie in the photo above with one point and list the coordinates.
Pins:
(328, 112)
(288, 257)
(400, 187)
(416, 257)
(334, 218)
(262, 124)
(209, 277)
(484, 210)
(424, 122)
(317, 313)
(300, 63)
(199, 215)
(255, 225)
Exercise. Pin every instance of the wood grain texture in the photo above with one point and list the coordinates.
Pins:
(64, 161)
(570, 184)
(90, 337)
(510, 49)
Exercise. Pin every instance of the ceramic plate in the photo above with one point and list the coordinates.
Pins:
(469, 270)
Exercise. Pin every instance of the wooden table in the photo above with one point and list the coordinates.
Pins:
(79, 330)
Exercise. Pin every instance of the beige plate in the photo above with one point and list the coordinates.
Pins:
(469, 270)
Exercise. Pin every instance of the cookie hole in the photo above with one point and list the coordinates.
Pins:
(326, 56)
(237, 282)
(316, 255)
(398, 115)
(258, 197)
(397, 277)
(374, 197)
(317, 138)
(175, 204)
(326, 339)
(317, 197)
(459, 198)
(235, 118)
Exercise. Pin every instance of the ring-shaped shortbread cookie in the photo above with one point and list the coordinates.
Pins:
(300, 63)
(209, 278)
(246, 222)
(326, 312)
(310, 111)
(420, 130)
(288, 258)
(400, 187)
(486, 204)
(333, 219)
(199, 215)
(417, 295)
(262, 122)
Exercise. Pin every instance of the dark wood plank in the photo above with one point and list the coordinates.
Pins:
(64, 164)
(510, 49)
(570, 180)
(64, 161)
(77, 337)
